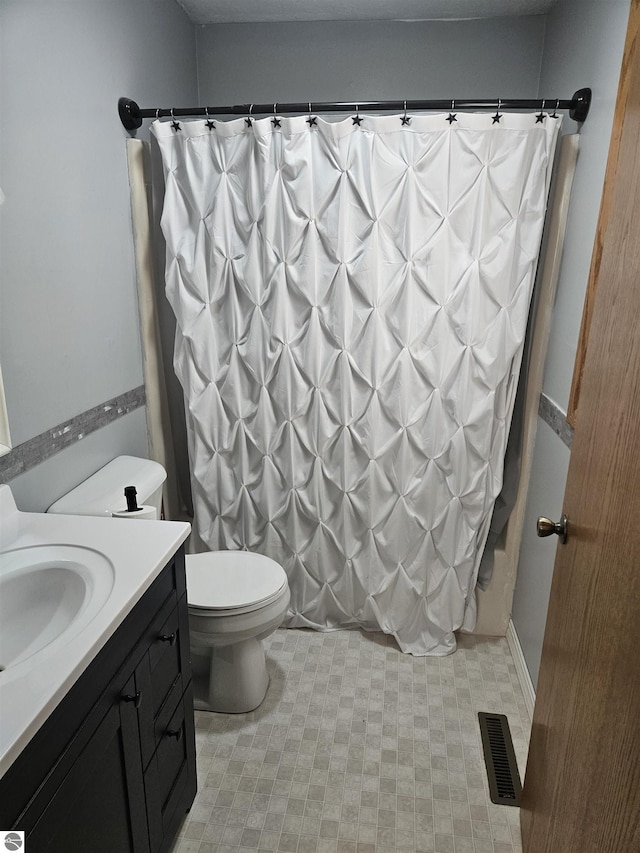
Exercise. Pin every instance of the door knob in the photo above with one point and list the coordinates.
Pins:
(546, 527)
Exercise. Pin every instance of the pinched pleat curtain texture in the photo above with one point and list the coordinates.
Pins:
(351, 304)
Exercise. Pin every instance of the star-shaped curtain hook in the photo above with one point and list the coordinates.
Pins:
(541, 116)
(554, 114)
(405, 119)
(452, 116)
(312, 121)
(208, 123)
(174, 124)
(275, 121)
(356, 119)
(498, 115)
(248, 119)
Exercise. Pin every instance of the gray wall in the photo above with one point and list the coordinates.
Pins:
(583, 47)
(69, 336)
(390, 60)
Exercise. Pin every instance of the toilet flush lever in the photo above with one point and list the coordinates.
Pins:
(546, 527)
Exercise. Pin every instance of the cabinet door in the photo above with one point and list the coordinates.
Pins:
(100, 806)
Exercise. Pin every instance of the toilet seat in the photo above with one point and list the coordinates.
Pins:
(226, 582)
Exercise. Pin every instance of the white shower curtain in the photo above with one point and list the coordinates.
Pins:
(351, 302)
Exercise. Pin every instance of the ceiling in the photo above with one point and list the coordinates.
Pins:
(244, 11)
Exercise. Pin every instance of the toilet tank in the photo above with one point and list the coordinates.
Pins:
(103, 492)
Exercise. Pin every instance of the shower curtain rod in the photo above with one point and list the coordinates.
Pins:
(131, 115)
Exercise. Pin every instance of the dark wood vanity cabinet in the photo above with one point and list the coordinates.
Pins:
(113, 768)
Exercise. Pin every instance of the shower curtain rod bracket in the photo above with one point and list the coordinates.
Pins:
(131, 115)
(581, 104)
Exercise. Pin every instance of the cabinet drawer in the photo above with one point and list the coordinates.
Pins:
(171, 752)
(159, 676)
(164, 661)
(166, 776)
(163, 718)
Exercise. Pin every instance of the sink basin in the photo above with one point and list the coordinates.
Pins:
(48, 594)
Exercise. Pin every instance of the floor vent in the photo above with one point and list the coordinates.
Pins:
(500, 759)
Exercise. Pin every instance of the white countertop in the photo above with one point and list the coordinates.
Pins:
(138, 552)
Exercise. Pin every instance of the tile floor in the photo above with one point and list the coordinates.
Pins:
(358, 748)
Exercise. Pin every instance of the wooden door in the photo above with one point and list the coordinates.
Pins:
(582, 784)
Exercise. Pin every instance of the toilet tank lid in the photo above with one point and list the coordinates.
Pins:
(103, 492)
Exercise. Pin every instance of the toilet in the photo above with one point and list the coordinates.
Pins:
(235, 598)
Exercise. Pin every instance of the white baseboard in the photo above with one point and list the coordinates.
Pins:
(521, 668)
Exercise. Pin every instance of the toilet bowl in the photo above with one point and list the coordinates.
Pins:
(235, 598)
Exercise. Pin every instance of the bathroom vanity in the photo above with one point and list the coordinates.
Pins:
(102, 758)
